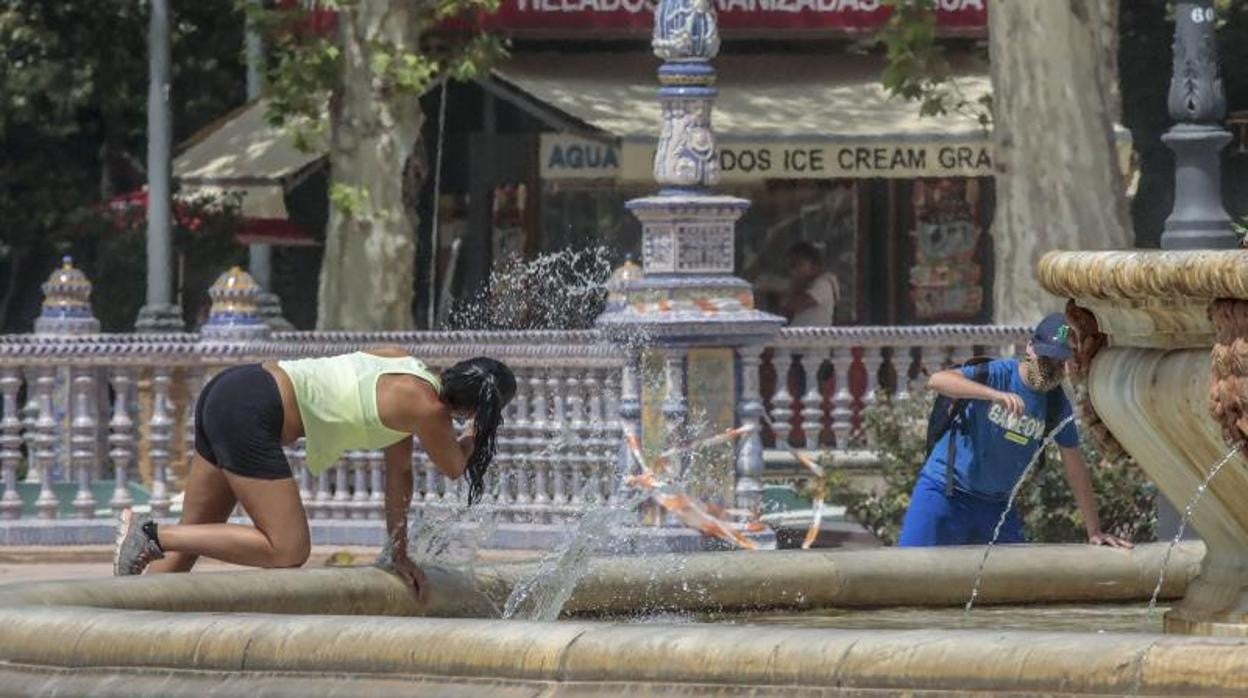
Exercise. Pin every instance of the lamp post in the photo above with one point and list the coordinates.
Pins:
(159, 314)
(1197, 102)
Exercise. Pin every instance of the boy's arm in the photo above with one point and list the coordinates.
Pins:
(953, 384)
(1081, 486)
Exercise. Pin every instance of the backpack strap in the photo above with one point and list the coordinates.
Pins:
(980, 375)
(1053, 410)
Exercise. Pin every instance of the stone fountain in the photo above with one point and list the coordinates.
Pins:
(1156, 328)
(1162, 337)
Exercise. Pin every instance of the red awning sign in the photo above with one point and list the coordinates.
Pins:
(550, 17)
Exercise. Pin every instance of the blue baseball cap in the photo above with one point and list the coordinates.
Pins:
(1052, 338)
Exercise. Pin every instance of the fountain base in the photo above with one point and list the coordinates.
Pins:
(1170, 385)
(314, 632)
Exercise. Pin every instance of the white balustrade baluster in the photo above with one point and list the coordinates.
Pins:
(539, 461)
(47, 505)
(160, 438)
(521, 466)
(121, 440)
(782, 401)
(748, 488)
(82, 456)
(843, 401)
(377, 488)
(30, 417)
(359, 495)
(599, 447)
(10, 443)
(873, 363)
(610, 394)
(578, 426)
(629, 417)
(340, 506)
(576, 403)
(321, 505)
(811, 360)
(196, 379)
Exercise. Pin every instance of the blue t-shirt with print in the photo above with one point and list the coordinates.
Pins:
(994, 447)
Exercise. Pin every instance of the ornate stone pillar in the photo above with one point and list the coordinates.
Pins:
(687, 305)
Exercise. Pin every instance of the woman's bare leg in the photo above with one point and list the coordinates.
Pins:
(208, 500)
(279, 539)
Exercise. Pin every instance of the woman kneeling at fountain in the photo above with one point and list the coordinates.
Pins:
(360, 401)
(998, 435)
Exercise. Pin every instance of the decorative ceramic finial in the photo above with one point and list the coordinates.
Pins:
(235, 312)
(67, 302)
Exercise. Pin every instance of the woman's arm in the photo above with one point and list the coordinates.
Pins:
(398, 500)
(410, 405)
(398, 492)
(448, 452)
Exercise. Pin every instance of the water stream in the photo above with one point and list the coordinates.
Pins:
(1009, 505)
(1187, 516)
(542, 596)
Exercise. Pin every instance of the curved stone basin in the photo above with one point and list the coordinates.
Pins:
(303, 632)
(1155, 323)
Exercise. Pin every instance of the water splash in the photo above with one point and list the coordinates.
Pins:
(561, 290)
(1187, 516)
(601, 528)
(543, 596)
(1009, 505)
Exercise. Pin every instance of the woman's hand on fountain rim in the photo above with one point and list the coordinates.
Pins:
(1109, 540)
(402, 566)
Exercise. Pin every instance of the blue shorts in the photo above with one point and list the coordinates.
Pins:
(963, 519)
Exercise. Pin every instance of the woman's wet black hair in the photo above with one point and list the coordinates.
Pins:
(484, 386)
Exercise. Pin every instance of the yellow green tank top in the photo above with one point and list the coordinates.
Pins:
(337, 399)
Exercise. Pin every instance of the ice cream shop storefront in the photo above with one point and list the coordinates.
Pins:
(899, 204)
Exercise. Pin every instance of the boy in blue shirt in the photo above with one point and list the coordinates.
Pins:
(1000, 431)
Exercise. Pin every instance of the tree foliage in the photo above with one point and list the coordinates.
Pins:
(346, 76)
(306, 54)
(917, 66)
(73, 94)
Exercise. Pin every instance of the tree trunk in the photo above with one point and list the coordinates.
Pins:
(1059, 186)
(370, 246)
(17, 256)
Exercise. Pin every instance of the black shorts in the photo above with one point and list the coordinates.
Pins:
(238, 423)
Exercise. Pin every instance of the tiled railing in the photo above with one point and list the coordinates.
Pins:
(117, 408)
(853, 367)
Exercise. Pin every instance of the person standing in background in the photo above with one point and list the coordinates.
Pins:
(813, 292)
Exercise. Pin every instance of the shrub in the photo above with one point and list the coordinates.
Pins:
(109, 245)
